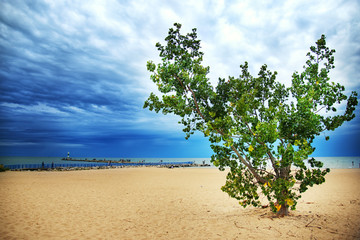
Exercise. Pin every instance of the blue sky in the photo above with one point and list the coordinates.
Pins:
(73, 73)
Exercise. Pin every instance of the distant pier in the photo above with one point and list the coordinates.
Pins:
(127, 162)
(97, 160)
(78, 164)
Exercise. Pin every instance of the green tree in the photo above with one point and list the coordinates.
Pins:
(253, 120)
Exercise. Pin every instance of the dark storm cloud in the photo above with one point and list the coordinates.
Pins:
(52, 79)
(41, 63)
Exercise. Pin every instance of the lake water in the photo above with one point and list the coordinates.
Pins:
(329, 162)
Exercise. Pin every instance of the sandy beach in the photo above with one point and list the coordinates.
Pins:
(161, 203)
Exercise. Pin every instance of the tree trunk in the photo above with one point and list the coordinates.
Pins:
(284, 174)
(284, 210)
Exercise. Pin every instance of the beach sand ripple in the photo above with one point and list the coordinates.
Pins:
(160, 203)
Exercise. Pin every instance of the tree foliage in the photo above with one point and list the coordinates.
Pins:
(250, 121)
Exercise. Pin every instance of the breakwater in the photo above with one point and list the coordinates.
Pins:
(87, 165)
(98, 160)
(125, 162)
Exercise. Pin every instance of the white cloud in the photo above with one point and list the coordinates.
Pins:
(16, 144)
(76, 110)
(39, 108)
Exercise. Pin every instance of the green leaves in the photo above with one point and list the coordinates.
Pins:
(239, 185)
(250, 121)
(212, 114)
(150, 66)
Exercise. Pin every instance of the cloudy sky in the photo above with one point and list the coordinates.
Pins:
(73, 73)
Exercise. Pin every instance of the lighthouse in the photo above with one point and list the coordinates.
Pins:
(68, 157)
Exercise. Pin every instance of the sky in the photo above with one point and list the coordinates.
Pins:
(73, 74)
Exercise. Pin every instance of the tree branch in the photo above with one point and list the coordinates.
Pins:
(268, 152)
(320, 109)
(262, 170)
(187, 88)
(248, 165)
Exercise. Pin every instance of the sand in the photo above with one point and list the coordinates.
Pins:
(160, 203)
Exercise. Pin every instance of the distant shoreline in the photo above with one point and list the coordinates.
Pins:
(329, 162)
